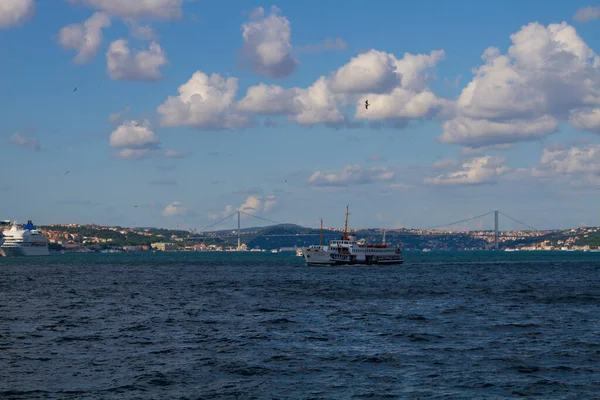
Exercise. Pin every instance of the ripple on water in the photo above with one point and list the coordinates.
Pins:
(200, 326)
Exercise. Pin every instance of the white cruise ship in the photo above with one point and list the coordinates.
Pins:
(27, 241)
(350, 251)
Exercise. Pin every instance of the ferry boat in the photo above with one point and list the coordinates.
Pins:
(27, 241)
(349, 251)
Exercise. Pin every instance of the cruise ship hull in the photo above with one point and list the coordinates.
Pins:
(330, 258)
(20, 251)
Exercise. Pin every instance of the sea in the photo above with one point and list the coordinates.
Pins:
(444, 325)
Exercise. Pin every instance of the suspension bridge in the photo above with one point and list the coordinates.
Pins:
(430, 231)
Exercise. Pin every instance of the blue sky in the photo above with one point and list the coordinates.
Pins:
(448, 134)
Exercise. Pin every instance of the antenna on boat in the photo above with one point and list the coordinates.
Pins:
(384, 236)
(321, 234)
(346, 227)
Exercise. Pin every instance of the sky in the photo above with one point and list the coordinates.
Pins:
(187, 111)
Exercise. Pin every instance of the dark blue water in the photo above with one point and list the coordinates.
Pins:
(211, 326)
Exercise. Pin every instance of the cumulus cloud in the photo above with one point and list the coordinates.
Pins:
(587, 119)
(252, 205)
(134, 135)
(118, 117)
(351, 175)
(397, 89)
(580, 166)
(548, 75)
(14, 13)
(477, 171)
(587, 14)
(84, 38)
(327, 45)
(205, 102)
(132, 154)
(20, 140)
(142, 66)
(265, 99)
(139, 9)
(139, 31)
(370, 72)
(175, 209)
(267, 48)
(479, 132)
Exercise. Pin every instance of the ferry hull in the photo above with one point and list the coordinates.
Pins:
(326, 258)
(15, 251)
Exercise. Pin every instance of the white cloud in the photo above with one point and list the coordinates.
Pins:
(479, 132)
(142, 66)
(579, 166)
(175, 209)
(133, 135)
(268, 203)
(267, 46)
(397, 88)
(139, 9)
(85, 38)
(313, 105)
(548, 74)
(205, 103)
(588, 119)
(370, 72)
(255, 204)
(133, 154)
(14, 13)
(223, 214)
(268, 100)
(174, 154)
(252, 205)
(316, 104)
(479, 170)
(137, 154)
(587, 14)
(21, 141)
(117, 118)
(138, 31)
(328, 44)
(446, 163)
(351, 175)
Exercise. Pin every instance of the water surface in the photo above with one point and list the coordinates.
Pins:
(205, 325)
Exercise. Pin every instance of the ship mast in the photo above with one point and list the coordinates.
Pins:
(346, 227)
(321, 234)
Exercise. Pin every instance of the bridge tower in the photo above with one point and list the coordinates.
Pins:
(496, 230)
(239, 247)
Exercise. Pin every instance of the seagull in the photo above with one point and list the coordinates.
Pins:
(67, 171)
(367, 104)
(74, 90)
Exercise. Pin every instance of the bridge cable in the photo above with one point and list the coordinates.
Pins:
(464, 220)
(264, 219)
(516, 220)
(218, 222)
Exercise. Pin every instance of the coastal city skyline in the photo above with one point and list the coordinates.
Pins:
(177, 113)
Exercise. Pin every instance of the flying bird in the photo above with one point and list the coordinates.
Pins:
(67, 171)
(74, 90)
(367, 104)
